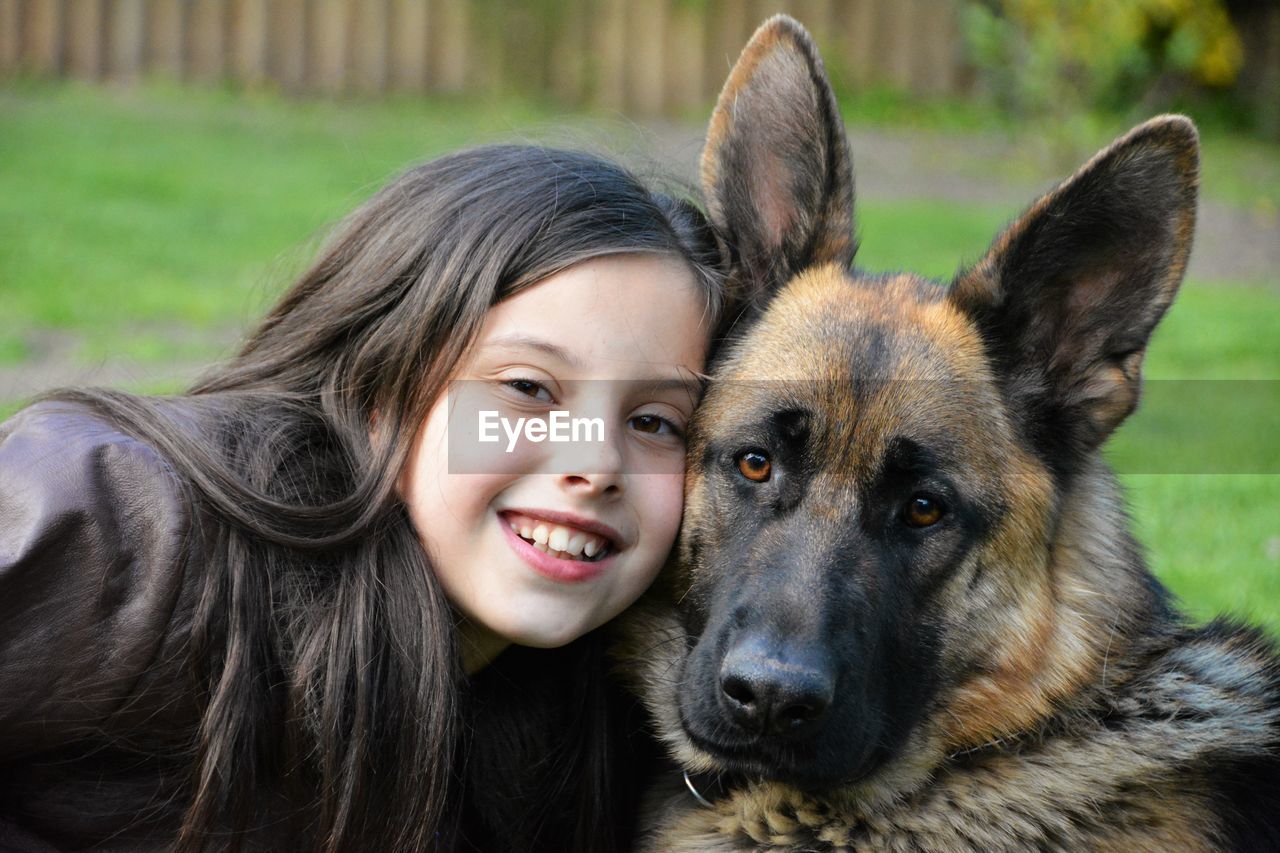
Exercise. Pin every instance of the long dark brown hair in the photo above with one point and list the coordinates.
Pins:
(322, 646)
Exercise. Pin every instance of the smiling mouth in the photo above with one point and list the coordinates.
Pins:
(561, 541)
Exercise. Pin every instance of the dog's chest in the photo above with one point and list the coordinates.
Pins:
(1027, 802)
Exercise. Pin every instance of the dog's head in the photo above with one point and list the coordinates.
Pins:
(877, 475)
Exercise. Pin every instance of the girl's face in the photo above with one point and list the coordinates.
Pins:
(537, 542)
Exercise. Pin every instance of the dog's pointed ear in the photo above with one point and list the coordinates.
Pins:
(776, 168)
(1068, 296)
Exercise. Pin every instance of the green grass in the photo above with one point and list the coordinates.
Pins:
(931, 238)
(1237, 168)
(1214, 538)
(125, 213)
(1243, 171)
(155, 224)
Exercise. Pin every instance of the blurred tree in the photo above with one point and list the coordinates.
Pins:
(1058, 60)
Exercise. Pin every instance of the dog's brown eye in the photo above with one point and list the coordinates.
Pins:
(755, 466)
(922, 511)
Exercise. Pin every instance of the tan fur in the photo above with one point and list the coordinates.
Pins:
(1071, 708)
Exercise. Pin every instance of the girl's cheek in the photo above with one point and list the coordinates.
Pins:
(667, 502)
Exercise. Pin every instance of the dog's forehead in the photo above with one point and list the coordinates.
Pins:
(867, 360)
(830, 325)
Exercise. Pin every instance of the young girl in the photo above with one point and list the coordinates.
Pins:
(299, 607)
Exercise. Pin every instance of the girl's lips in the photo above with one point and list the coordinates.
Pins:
(554, 568)
(570, 520)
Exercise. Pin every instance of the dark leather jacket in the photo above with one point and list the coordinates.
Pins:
(96, 594)
(100, 565)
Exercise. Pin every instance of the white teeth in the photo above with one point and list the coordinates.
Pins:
(562, 542)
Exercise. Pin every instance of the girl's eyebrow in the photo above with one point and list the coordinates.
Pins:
(688, 383)
(517, 340)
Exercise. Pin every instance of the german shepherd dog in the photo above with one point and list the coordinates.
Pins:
(906, 611)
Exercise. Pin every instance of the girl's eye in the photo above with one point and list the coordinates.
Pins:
(755, 466)
(654, 425)
(530, 389)
(923, 511)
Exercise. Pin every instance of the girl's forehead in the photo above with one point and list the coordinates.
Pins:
(619, 316)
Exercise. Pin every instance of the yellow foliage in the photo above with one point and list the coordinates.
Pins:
(1088, 33)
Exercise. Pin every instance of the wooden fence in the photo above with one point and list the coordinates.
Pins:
(644, 57)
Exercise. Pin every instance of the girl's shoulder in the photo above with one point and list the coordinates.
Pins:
(96, 546)
(83, 501)
(86, 507)
(61, 453)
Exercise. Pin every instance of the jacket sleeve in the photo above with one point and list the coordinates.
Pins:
(93, 531)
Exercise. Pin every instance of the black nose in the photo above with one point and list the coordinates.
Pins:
(785, 695)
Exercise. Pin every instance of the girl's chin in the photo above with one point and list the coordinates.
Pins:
(480, 644)
(549, 629)
(548, 637)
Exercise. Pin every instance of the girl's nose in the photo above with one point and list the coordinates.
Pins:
(594, 468)
(593, 484)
